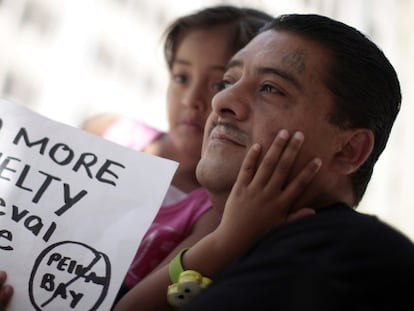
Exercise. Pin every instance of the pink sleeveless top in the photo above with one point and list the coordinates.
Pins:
(177, 215)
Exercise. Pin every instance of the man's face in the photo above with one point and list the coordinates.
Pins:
(275, 82)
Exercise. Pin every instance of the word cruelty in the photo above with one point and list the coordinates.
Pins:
(18, 170)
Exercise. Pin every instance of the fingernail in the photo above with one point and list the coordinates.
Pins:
(283, 133)
(317, 162)
(298, 136)
(256, 147)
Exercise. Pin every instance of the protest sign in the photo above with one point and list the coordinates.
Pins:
(73, 209)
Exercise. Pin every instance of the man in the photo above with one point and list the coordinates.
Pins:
(319, 76)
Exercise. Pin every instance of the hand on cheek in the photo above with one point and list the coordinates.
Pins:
(262, 196)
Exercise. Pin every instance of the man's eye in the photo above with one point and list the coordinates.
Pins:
(271, 89)
(222, 85)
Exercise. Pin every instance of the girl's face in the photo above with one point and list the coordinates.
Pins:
(197, 69)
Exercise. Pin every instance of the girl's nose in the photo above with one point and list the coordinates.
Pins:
(197, 97)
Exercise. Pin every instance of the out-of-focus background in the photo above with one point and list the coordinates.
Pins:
(70, 59)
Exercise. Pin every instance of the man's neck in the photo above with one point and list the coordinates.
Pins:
(218, 201)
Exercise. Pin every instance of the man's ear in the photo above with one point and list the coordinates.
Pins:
(356, 148)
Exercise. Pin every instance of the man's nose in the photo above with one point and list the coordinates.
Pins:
(231, 103)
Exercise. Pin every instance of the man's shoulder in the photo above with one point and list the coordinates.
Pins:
(338, 231)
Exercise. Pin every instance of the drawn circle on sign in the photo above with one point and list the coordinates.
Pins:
(69, 275)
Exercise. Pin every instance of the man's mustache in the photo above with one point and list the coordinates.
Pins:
(228, 131)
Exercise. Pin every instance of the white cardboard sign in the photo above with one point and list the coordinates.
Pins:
(73, 209)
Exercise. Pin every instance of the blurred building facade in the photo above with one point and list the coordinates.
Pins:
(69, 59)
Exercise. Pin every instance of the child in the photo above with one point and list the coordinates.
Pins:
(197, 48)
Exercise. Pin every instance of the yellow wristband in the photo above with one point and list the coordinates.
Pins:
(190, 284)
(175, 268)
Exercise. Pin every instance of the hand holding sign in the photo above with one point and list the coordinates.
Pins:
(6, 291)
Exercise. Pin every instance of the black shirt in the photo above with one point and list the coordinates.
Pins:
(338, 259)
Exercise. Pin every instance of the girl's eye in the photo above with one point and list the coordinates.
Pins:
(180, 78)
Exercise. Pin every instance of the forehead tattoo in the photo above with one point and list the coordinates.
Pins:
(295, 61)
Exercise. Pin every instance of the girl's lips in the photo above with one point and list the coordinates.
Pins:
(191, 126)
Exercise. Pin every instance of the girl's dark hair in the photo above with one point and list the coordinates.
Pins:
(245, 23)
(363, 82)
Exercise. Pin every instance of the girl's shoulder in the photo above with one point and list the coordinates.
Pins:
(131, 133)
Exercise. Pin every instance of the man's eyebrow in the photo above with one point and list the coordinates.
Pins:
(269, 70)
(233, 63)
(281, 73)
